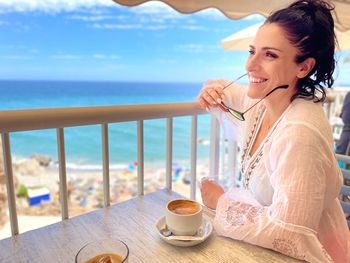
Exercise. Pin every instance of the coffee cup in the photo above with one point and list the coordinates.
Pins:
(183, 217)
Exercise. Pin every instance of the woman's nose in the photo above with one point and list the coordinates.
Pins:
(252, 63)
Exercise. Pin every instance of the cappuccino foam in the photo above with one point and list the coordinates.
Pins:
(184, 207)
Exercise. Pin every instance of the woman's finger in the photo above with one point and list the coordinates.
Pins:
(203, 104)
(205, 100)
(211, 95)
(215, 91)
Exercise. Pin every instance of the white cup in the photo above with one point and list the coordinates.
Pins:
(183, 217)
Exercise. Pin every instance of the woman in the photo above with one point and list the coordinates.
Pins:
(291, 179)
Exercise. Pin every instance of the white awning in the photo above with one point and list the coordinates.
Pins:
(240, 40)
(236, 9)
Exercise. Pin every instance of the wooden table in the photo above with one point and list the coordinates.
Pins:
(133, 222)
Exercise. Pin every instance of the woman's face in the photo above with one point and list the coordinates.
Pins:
(271, 62)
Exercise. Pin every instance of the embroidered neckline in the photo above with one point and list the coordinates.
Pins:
(247, 145)
(251, 135)
(248, 164)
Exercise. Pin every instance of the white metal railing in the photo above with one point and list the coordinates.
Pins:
(36, 119)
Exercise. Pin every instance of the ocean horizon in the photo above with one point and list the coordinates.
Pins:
(83, 144)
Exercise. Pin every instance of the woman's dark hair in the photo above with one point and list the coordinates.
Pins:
(310, 27)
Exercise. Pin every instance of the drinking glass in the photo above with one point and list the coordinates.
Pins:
(103, 251)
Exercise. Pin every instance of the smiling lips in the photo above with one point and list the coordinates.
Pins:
(256, 79)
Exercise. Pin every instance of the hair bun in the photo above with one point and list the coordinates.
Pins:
(312, 6)
(310, 28)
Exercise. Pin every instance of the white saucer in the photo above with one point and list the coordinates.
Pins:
(203, 233)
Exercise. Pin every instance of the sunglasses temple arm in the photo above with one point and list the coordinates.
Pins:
(261, 99)
(234, 81)
(228, 85)
(253, 105)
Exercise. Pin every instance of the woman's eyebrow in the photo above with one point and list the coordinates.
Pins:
(267, 48)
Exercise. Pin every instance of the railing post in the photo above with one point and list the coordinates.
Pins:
(140, 158)
(62, 173)
(194, 157)
(105, 157)
(6, 148)
(222, 161)
(169, 153)
(232, 161)
(214, 155)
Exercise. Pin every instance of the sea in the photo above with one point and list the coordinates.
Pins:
(83, 144)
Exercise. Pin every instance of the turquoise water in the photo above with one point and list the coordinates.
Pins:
(83, 144)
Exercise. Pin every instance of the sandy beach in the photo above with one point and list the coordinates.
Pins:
(85, 188)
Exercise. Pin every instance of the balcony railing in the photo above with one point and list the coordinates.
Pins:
(37, 119)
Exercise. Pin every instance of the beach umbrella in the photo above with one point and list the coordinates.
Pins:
(241, 39)
(240, 8)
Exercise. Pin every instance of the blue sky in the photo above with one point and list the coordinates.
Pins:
(100, 40)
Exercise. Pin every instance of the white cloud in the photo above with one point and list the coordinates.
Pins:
(18, 26)
(51, 6)
(34, 51)
(193, 27)
(160, 10)
(3, 23)
(150, 9)
(60, 56)
(197, 48)
(91, 18)
(167, 61)
(8, 46)
(212, 13)
(110, 67)
(92, 6)
(128, 26)
(116, 26)
(255, 17)
(150, 19)
(155, 27)
(99, 56)
(66, 57)
(104, 56)
(16, 57)
(229, 68)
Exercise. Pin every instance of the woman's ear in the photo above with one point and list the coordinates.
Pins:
(305, 67)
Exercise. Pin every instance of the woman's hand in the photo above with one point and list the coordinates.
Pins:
(211, 191)
(211, 94)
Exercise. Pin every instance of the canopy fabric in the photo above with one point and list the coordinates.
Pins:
(241, 39)
(236, 9)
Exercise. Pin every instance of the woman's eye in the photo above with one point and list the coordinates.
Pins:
(271, 55)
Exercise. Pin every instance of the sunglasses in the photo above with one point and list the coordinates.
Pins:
(238, 114)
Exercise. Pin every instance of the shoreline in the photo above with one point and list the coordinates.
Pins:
(97, 166)
(85, 186)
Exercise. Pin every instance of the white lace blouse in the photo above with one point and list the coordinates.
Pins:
(289, 200)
